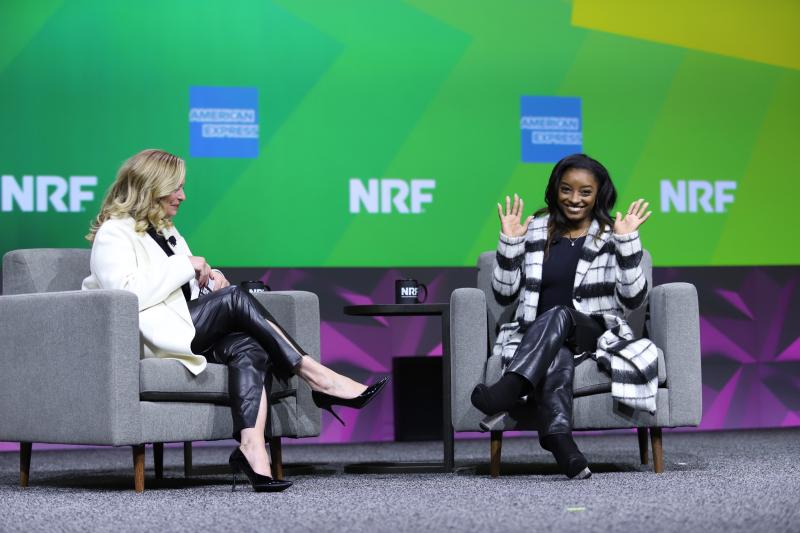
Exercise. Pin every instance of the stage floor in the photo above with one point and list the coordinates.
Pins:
(716, 481)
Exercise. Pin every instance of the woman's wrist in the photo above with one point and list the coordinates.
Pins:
(508, 239)
(625, 237)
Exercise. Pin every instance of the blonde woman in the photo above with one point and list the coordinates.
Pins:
(190, 312)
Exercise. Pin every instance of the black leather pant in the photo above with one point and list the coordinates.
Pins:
(231, 329)
(545, 358)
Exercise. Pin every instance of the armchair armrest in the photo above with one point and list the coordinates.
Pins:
(69, 367)
(468, 354)
(297, 312)
(675, 328)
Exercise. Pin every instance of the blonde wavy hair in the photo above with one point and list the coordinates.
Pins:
(141, 182)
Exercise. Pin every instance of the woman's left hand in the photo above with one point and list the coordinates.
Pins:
(220, 281)
(637, 214)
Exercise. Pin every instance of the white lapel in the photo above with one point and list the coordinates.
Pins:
(533, 269)
(151, 253)
(539, 232)
(182, 247)
(591, 247)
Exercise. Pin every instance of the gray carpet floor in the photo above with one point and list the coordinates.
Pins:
(720, 481)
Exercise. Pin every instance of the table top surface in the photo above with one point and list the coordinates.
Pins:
(435, 308)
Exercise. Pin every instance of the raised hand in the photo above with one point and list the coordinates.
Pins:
(510, 219)
(635, 217)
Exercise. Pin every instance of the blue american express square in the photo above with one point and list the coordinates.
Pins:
(223, 122)
(550, 128)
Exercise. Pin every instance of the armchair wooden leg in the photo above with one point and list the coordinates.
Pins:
(158, 459)
(496, 450)
(277, 457)
(658, 451)
(138, 467)
(25, 449)
(642, 434)
(187, 458)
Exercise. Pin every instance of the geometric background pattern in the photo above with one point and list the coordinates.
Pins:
(750, 342)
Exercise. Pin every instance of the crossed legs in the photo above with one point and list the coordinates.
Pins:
(232, 328)
(542, 368)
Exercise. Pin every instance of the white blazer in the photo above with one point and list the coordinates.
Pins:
(124, 259)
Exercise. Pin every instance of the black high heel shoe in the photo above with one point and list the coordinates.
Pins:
(260, 483)
(326, 401)
(569, 458)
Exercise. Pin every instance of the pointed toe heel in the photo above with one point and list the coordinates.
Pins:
(326, 401)
(260, 483)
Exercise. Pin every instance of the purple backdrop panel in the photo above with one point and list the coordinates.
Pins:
(750, 344)
(749, 334)
(750, 351)
(363, 347)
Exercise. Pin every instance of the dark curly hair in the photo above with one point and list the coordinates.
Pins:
(604, 202)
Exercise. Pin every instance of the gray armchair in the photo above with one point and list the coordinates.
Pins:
(673, 324)
(71, 372)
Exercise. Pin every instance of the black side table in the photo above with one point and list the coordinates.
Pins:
(432, 309)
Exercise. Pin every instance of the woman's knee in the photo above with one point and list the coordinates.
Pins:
(559, 312)
(241, 298)
(227, 294)
(232, 290)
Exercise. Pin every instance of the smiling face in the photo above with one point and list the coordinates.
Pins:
(173, 201)
(577, 193)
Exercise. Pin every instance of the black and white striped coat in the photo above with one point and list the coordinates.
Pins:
(608, 282)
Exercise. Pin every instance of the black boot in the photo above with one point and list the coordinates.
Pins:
(501, 396)
(553, 397)
(569, 458)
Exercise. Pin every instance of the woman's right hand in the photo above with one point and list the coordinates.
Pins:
(202, 270)
(510, 223)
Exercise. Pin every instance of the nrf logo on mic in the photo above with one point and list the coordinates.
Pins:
(390, 195)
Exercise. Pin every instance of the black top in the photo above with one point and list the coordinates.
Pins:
(558, 273)
(162, 242)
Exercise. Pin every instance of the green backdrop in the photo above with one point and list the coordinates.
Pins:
(408, 90)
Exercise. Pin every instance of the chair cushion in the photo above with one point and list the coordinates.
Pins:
(166, 380)
(590, 380)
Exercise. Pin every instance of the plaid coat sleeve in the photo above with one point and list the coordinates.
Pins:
(631, 284)
(508, 261)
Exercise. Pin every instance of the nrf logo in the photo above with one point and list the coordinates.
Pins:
(694, 196)
(223, 122)
(550, 128)
(46, 193)
(390, 195)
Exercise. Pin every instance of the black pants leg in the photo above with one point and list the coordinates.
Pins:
(231, 328)
(545, 359)
(249, 370)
